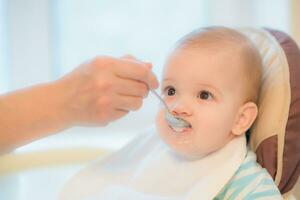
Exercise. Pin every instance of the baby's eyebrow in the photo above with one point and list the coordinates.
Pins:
(167, 80)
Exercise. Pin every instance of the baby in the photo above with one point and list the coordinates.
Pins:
(211, 80)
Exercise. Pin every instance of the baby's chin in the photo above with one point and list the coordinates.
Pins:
(182, 146)
(186, 152)
(187, 145)
(193, 150)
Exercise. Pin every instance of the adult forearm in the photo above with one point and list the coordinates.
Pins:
(93, 94)
(31, 113)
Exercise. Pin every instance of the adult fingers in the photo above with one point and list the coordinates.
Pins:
(129, 69)
(129, 103)
(130, 87)
(133, 58)
(118, 113)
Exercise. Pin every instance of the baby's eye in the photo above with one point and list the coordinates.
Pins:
(205, 95)
(170, 91)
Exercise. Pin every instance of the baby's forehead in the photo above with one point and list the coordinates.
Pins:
(193, 70)
(198, 75)
(199, 61)
(222, 54)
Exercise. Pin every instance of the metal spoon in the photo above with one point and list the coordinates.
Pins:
(171, 119)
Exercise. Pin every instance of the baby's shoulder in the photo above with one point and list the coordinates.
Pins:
(250, 181)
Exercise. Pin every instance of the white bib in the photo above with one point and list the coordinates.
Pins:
(147, 169)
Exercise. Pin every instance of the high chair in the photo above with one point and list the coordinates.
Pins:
(275, 135)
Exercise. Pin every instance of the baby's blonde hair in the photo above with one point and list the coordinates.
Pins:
(218, 38)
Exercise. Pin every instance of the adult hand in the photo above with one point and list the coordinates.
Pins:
(95, 93)
(106, 88)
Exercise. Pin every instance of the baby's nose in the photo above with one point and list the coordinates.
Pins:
(181, 109)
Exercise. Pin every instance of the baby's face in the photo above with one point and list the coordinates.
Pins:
(203, 88)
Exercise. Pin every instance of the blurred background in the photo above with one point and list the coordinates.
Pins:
(41, 40)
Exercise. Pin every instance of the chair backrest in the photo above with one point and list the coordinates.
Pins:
(275, 135)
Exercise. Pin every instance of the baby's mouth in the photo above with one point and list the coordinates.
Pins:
(177, 124)
(180, 129)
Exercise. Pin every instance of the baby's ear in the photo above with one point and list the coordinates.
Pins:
(245, 118)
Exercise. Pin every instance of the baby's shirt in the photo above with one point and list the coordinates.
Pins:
(250, 182)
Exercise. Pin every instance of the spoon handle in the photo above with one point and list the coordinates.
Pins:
(159, 97)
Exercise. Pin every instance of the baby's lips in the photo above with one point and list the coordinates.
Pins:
(187, 122)
(177, 121)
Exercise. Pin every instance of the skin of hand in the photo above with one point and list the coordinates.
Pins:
(94, 94)
(106, 89)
